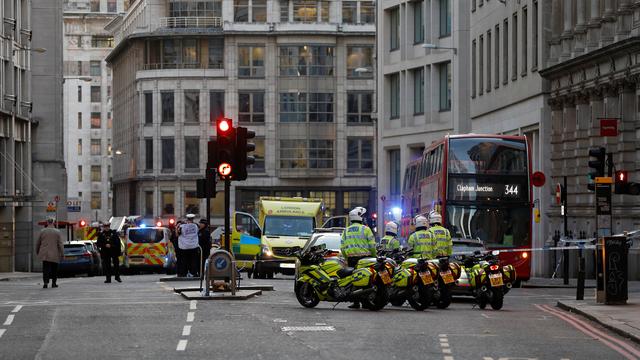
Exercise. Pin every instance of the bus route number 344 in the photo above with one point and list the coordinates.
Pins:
(511, 189)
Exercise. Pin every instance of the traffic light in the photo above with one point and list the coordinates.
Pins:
(225, 148)
(82, 223)
(623, 186)
(597, 165)
(244, 147)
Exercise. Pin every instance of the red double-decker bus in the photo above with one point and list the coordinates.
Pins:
(481, 186)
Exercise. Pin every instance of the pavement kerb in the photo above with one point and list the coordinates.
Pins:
(20, 278)
(593, 318)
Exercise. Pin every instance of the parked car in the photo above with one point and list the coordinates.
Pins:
(468, 247)
(78, 259)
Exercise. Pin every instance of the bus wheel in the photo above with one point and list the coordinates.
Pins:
(270, 275)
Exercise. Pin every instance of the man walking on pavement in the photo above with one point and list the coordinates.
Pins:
(188, 244)
(50, 250)
(110, 251)
(421, 241)
(390, 241)
(204, 240)
(357, 241)
(443, 246)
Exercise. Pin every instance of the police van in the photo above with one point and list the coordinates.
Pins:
(150, 248)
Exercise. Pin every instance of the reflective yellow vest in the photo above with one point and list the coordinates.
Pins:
(358, 240)
(422, 243)
(390, 242)
(442, 240)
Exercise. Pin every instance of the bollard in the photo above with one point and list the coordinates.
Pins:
(580, 288)
(565, 266)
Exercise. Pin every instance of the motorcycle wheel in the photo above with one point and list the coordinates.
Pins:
(445, 298)
(305, 294)
(378, 299)
(497, 300)
(481, 299)
(420, 301)
(397, 302)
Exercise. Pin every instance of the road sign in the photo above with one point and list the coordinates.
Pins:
(609, 127)
(51, 207)
(74, 205)
(57, 198)
(538, 179)
(558, 194)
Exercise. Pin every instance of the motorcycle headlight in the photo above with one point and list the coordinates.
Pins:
(266, 251)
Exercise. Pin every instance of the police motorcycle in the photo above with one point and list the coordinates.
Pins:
(414, 280)
(448, 273)
(321, 279)
(489, 279)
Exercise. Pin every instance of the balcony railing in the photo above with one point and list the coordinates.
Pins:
(190, 22)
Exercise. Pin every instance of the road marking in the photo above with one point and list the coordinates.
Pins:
(182, 345)
(9, 320)
(446, 351)
(2, 332)
(190, 316)
(279, 320)
(186, 331)
(192, 306)
(485, 316)
(619, 346)
(16, 309)
(308, 328)
(448, 358)
(444, 346)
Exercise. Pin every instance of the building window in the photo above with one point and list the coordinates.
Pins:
(80, 147)
(168, 155)
(418, 22)
(109, 120)
(79, 93)
(168, 203)
(192, 154)
(525, 40)
(251, 107)
(96, 120)
(79, 121)
(191, 203)
(250, 61)
(359, 107)
(306, 60)
(474, 67)
(534, 37)
(148, 108)
(367, 12)
(359, 155)
(489, 61)
(96, 94)
(445, 86)
(95, 68)
(192, 106)
(306, 11)
(294, 107)
(496, 75)
(96, 147)
(190, 58)
(167, 106)
(320, 154)
(350, 12)
(95, 5)
(394, 173)
(514, 47)
(96, 200)
(112, 6)
(360, 61)
(79, 173)
(418, 91)
(101, 41)
(481, 65)
(394, 80)
(314, 154)
(505, 52)
(258, 155)
(148, 152)
(394, 27)
(216, 105)
(148, 204)
(96, 173)
(256, 10)
(216, 53)
(192, 8)
(445, 18)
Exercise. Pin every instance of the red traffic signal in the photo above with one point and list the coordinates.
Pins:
(622, 176)
(223, 125)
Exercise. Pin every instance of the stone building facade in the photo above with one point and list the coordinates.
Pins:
(594, 73)
(299, 73)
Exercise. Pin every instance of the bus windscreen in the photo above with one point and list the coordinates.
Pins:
(487, 156)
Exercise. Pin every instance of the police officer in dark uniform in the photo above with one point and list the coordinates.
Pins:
(204, 240)
(110, 251)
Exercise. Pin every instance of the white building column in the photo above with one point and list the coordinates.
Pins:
(580, 30)
(593, 26)
(567, 32)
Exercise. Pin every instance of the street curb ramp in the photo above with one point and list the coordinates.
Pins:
(595, 319)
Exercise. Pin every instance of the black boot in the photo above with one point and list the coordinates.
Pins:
(54, 285)
(355, 305)
(118, 279)
(108, 281)
(45, 286)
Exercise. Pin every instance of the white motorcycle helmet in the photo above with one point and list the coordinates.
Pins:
(434, 217)
(357, 213)
(392, 228)
(421, 221)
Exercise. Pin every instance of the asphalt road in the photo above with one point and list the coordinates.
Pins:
(143, 318)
